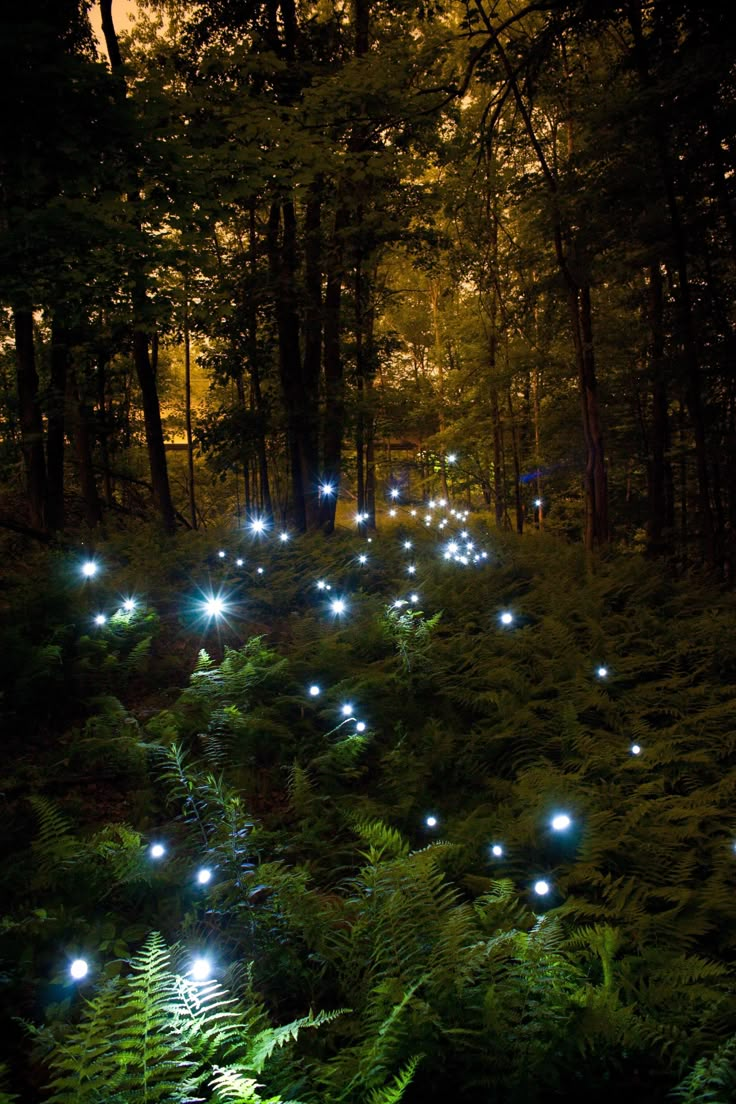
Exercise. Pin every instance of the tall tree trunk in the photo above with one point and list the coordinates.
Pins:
(55, 426)
(188, 411)
(255, 371)
(334, 412)
(29, 416)
(658, 437)
(103, 429)
(81, 418)
(519, 505)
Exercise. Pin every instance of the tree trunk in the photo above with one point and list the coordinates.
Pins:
(29, 415)
(81, 420)
(657, 480)
(333, 424)
(188, 411)
(55, 426)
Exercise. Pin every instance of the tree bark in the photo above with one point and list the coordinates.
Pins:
(55, 430)
(29, 415)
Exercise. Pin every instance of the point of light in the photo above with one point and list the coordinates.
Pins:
(283, 537)
(240, 562)
(79, 969)
(326, 489)
(363, 559)
(635, 749)
(129, 605)
(561, 822)
(314, 690)
(213, 606)
(451, 458)
(452, 548)
(201, 969)
(100, 619)
(392, 513)
(411, 569)
(221, 554)
(394, 492)
(431, 821)
(359, 518)
(360, 726)
(442, 502)
(321, 584)
(497, 850)
(89, 569)
(541, 888)
(414, 598)
(259, 570)
(346, 710)
(506, 618)
(537, 502)
(602, 672)
(464, 534)
(338, 606)
(157, 851)
(407, 544)
(258, 525)
(413, 513)
(431, 504)
(204, 876)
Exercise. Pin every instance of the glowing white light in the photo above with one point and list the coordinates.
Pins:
(89, 568)
(204, 876)
(358, 519)
(451, 458)
(129, 605)
(362, 559)
(327, 489)
(541, 888)
(221, 554)
(561, 822)
(201, 969)
(257, 525)
(394, 492)
(346, 710)
(100, 619)
(157, 851)
(407, 544)
(431, 504)
(214, 606)
(464, 534)
(283, 537)
(602, 672)
(469, 546)
(370, 540)
(537, 502)
(427, 519)
(431, 821)
(452, 548)
(484, 555)
(413, 513)
(414, 598)
(635, 749)
(321, 585)
(506, 618)
(240, 562)
(338, 606)
(314, 690)
(447, 556)
(360, 726)
(497, 850)
(79, 969)
(392, 513)
(464, 560)
(399, 603)
(259, 570)
(442, 503)
(411, 569)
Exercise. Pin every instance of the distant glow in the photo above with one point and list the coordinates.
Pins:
(338, 606)
(258, 525)
(413, 513)
(635, 749)
(314, 690)
(452, 548)
(392, 513)
(431, 821)
(442, 502)
(469, 546)
(411, 569)
(240, 561)
(321, 585)
(283, 537)
(89, 568)
(451, 458)
(407, 544)
(431, 504)
(541, 888)
(157, 851)
(464, 534)
(326, 489)
(359, 518)
(100, 619)
(414, 598)
(259, 570)
(129, 605)
(204, 876)
(484, 555)
(506, 618)
(537, 502)
(561, 822)
(346, 709)
(427, 519)
(221, 554)
(362, 559)
(213, 606)
(399, 603)
(602, 672)
(497, 850)
(395, 492)
(201, 969)
(360, 726)
(79, 969)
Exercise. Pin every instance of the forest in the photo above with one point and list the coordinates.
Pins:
(367, 515)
